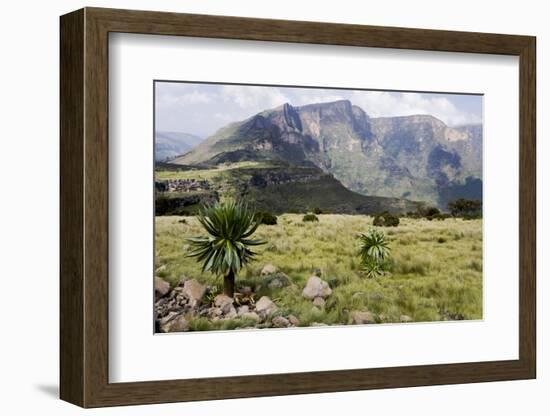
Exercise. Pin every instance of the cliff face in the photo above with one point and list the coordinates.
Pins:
(414, 157)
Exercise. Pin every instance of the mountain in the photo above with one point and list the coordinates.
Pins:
(414, 157)
(169, 144)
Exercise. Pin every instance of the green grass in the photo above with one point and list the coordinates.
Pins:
(208, 174)
(436, 268)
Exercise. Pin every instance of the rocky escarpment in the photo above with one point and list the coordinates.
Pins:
(414, 157)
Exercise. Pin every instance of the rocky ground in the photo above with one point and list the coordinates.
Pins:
(176, 308)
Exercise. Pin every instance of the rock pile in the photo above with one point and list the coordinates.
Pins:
(175, 309)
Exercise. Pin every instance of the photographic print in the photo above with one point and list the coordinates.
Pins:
(288, 206)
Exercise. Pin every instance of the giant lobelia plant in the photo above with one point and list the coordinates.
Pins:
(374, 252)
(227, 247)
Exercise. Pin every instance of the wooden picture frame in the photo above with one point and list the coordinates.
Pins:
(84, 207)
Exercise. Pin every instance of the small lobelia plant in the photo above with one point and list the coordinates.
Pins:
(227, 247)
(374, 252)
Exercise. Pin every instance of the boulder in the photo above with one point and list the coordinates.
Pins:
(265, 306)
(177, 324)
(293, 320)
(319, 302)
(316, 288)
(362, 317)
(194, 291)
(405, 318)
(251, 315)
(162, 287)
(269, 269)
(276, 280)
(224, 302)
(243, 309)
(215, 312)
(280, 322)
(231, 313)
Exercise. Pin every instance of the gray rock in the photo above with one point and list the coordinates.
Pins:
(266, 306)
(243, 309)
(167, 318)
(194, 291)
(316, 287)
(224, 302)
(251, 315)
(280, 322)
(162, 287)
(276, 280)
(269, 269)
(231, 313)
(293, 320)
(362, 317)
(405, 318)
(177, 324)
(319, 302)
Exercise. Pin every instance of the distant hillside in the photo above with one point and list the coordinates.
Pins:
(414, 157)
(276, 187)
(169, 144)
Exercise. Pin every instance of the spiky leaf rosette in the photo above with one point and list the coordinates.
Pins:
(374, 252)
(227, 246)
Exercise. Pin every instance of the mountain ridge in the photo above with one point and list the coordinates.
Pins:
(417, 157)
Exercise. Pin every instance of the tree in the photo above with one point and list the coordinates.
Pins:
(226, 249)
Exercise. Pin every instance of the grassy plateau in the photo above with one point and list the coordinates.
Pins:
(435, 272)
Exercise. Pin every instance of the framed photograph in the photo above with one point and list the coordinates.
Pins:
(257, 207)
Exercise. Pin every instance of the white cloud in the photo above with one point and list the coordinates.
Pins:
(203, 108)
(253, 99)
(388, 104)
(182, 95)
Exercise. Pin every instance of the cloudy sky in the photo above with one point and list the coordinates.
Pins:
(201, 109)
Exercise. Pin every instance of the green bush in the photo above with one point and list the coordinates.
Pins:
(310, 218)
(317, 211)
(428, 212)
(465, 208)
(385, 219)
(266, 218)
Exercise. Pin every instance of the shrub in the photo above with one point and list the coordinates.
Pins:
(441, 240)
(317, 211)
(374, 252)
(310, 218)
(428, 212)
(385, 219)
(266, 218)
(465, 208)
